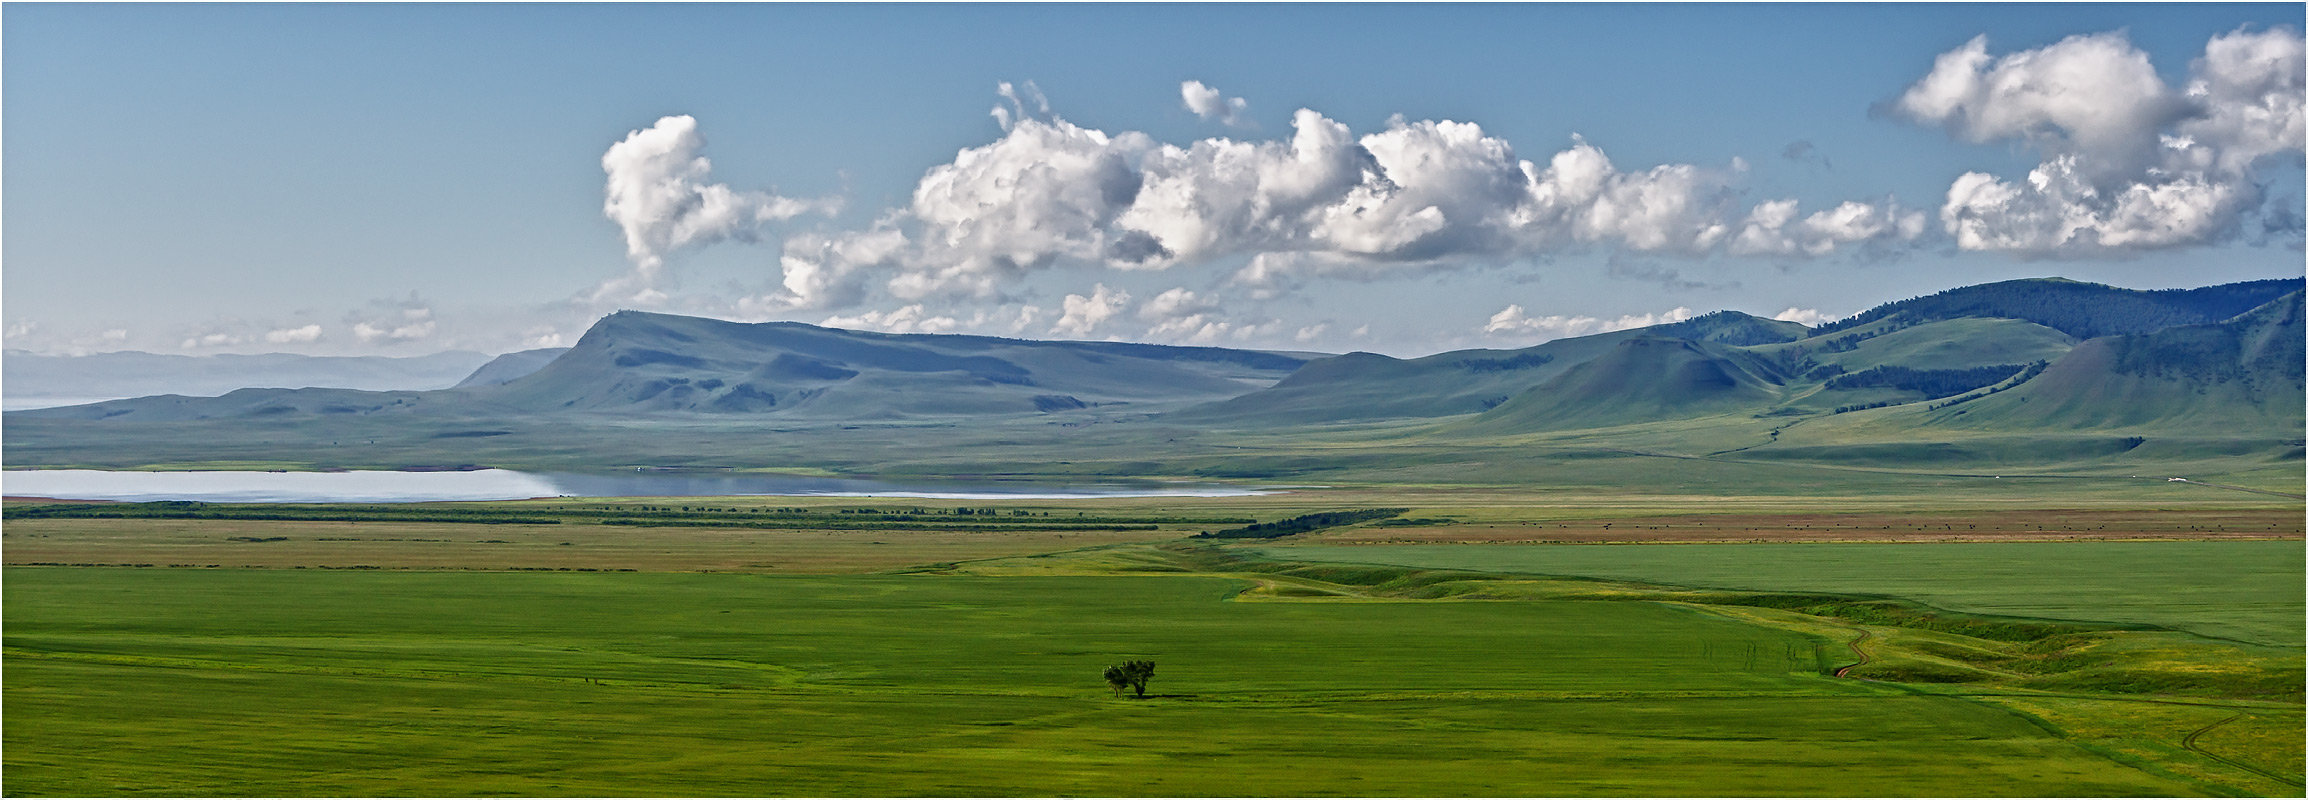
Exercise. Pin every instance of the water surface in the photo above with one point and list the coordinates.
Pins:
(499, 484)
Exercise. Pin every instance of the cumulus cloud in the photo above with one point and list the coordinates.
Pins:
(21, 329)
(906, 319)
(1773, 229)
(306, 334)
(543, 336)
(1416, 195)
(1083, 314)
(1807, 317)
(2129, 162)
(661, 195)
(216, 339)
(392, 321)
(1210, 104)
(1023, 102)
(1514, 322)
(1186, 317)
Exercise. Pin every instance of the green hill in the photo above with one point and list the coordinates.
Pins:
(1643, 379)
(1941, 344)
(2081, 310)
(1368, 386)
(1900, 393)
(2243, 374)
(511, 366)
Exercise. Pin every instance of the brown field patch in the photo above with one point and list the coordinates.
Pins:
(268, 544)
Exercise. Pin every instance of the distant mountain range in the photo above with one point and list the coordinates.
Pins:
(635, 363)
(34, 381)
(2105, 368)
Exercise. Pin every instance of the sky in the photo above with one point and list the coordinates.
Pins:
(368, 179)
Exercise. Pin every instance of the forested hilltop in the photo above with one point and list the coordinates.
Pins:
(2078, 309)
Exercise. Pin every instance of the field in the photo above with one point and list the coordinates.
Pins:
(301, 657)
(2246, 591)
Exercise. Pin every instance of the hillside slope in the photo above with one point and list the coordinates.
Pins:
(510, 367)
(2239, 375)
(1368, 386)
(632, 363)
(31, 378)
(2078, 309)
(1643, 379)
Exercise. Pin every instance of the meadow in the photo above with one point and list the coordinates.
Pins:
(420, 657)
(2246, 591)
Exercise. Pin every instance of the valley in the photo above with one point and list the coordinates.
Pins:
(937, 656)
(1977, 543)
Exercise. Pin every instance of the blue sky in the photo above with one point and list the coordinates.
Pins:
(405, 179)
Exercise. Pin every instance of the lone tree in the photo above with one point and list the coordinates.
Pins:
(1130, 675)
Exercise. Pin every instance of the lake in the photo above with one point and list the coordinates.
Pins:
(500, 484)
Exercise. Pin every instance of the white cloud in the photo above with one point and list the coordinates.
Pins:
(1208, 103)
(1514, 322)
(20, 330)
(905, 319)
(300, 335)
(660, 194)
(1772, 229)
(1807, 317)
(1019, 98)
(2248, 92)
(1417, 195)
(2093, 94)
(819, 271)
(542, 336)
(1083, 314)
(113, 336)
(392, 321)
(217, 339)
(371, 333)
(2130, 163)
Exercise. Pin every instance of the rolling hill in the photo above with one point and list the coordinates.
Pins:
(1368, 386)
(1916, 386)
(510, 367)
(34, 380)
(2078, 309)
(2240, 374)
(634, 363)
(1642, 379)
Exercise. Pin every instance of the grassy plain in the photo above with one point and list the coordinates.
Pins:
(484, 659)
(188, 682)
(1733, 455)
(2248, 590)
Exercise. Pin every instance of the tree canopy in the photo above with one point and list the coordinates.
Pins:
(1130, 675)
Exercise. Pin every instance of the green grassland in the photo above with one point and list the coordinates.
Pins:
(959, 654)
(234, 683)
(2248, 591)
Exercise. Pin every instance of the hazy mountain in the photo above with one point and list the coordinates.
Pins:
(511, 366)
(35, 380)
(1368, 386)
(1897, 392)
(639, 363)
(658, 362)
